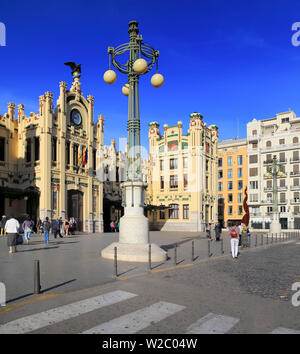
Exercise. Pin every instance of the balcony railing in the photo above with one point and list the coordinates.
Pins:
(268, 189)
(295, 174)
(269, 201)
(295, 201)
(267, 162)
(294, 159)
(282, 188)
(295, 188)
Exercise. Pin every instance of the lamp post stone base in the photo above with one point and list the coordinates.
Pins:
(133, 252)
(133, 245)
(275, 227)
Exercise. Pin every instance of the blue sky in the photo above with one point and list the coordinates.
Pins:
(228, 59)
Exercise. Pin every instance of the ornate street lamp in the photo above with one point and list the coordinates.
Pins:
(273, 173)
(133, 242)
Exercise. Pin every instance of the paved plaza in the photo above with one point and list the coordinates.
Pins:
(209, 295)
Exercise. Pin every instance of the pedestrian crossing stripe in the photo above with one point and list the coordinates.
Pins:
(282, 330)
(65, 312)
(137, 320)
(127, 324)
(212, 324)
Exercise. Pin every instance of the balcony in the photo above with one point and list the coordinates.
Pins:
(268, 162)
(268, 201)
(295, 160)
(295, 174)
(268, 189)
(282, 188)
(283, 201)
(255, 214)
(295, 188)
(295, 201)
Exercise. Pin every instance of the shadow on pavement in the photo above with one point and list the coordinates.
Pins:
(38, 249)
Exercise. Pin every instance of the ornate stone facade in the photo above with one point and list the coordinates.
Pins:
(182, 188)
(48, 159)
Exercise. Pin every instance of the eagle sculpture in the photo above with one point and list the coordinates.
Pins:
(76, 69)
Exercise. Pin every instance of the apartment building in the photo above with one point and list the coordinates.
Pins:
(182, 176)
(278, 136)
(232, 180)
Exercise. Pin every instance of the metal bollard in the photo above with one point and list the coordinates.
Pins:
(208, 248)
(222, 246)
(255, 240)
(262, 240)
(149, 258)
(175, 255)
(193, 250)
(267, 239)
(272, 238)
(116, 262)
(37, 280)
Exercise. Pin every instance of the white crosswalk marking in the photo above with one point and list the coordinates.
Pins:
(282, 330)
(58, 314)
(138, 320)
(212, 324)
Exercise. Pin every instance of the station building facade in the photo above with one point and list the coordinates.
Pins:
(182, 176)
(48, 160)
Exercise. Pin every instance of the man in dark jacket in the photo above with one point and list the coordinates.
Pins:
(218, 231)
(56, 228)
(46, 228)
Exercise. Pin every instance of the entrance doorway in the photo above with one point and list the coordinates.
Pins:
(75, 207)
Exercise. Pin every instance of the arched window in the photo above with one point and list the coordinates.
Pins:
(295, 140)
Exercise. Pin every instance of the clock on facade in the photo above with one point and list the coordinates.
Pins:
(76, 117)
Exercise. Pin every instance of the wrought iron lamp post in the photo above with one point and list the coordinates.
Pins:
(273, 172)
(133, 242)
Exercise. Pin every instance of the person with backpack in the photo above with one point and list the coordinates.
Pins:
(46, 228)
(27, 224)
(234, 241)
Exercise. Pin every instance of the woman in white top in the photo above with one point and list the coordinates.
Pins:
(12, 230)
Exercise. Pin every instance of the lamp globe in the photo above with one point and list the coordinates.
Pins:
(110, 77)
(125, 90)
(140, 66)
(157, 80)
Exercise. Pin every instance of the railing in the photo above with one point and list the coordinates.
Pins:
(267, 189)
(282, 188)
(295, 188)
(295, 201)
(293, 173)
(292, 159)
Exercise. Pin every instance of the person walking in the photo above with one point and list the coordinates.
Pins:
(46, 228)
(56, 228)
(27, 229)
(119, 226)
(112, 226)
(218, 230)
(244, 236)
(207, 229)
(234, 241)
(2, 225)
(11, 228)
(38, 225)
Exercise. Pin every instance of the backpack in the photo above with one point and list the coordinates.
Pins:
(233, 233)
